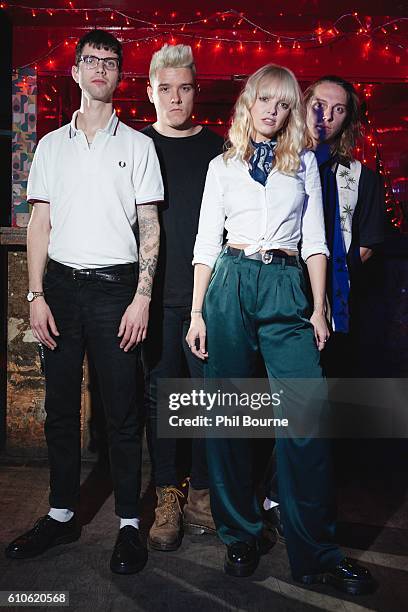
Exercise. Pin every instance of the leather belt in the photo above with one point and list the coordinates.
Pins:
(112, 274)
(274, 256)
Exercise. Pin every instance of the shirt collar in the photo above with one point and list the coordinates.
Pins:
(110, 128)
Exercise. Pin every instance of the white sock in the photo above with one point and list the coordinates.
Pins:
(269, 504)
(63, 515)
(134, 522)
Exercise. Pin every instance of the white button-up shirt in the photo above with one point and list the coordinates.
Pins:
(288, 209)
(93, 191)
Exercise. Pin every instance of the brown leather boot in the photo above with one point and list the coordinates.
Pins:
(165, 533)
(198, 519)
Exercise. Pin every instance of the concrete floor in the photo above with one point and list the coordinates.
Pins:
(373, 527)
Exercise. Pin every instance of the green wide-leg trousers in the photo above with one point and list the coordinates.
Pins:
(251, 309)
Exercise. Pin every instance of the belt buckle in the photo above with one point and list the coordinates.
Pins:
(82, 273)
(267, 257)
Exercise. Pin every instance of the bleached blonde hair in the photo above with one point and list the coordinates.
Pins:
(172, 56)
(280, 83)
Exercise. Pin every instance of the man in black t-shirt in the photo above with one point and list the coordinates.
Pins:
(184, 152)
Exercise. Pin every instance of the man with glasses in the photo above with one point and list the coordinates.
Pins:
(90, 182)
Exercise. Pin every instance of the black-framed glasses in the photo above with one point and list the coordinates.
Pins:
(91, 61)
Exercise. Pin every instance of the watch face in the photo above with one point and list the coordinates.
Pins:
(30, 296)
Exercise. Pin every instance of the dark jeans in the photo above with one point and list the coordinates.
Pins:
(166, 355)
(87, 313)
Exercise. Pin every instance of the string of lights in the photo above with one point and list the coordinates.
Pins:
(160, 31)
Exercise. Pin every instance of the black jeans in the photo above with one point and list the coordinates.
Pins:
(87, 312)
(166, 355)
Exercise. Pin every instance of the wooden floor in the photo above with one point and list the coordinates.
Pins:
(373, 526)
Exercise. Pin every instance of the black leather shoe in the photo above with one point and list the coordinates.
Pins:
(46, 533)
(129, 555)
(241, 559)
(273, 520)
(347, 576)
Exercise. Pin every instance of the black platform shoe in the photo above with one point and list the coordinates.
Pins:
(241, 559)
(347, 576)
(129, 555)
(47, 532)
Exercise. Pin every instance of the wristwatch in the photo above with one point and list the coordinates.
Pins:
(31, 295)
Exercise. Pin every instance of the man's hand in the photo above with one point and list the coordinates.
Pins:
(133, 326)
(42, 323)
(365, 254)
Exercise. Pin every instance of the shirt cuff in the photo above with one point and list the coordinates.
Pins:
(372, 242)
(34, 197)
(205, 259)
(148, 200)
(309, 251)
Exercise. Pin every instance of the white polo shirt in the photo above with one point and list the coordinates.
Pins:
(93, 191)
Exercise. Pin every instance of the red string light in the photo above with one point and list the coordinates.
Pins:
(323, 36)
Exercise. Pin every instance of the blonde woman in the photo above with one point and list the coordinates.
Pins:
(265, 192)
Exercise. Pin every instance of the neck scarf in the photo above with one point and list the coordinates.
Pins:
(339, 279)
(260, 163)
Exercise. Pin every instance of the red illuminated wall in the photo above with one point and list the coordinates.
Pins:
(357, 40)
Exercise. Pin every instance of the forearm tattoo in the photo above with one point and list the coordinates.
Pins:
(149, 233)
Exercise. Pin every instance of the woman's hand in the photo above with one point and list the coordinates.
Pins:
(196, 336)
(321, 330)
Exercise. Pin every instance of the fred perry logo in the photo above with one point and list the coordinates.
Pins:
(122, 164)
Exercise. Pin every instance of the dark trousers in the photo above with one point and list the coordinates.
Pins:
(87, 312)
(166, 355)
(252, 308)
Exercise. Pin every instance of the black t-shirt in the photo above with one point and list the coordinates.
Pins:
(184, 163)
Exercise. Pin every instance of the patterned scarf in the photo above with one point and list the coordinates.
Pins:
(339, 279)
(260, 163)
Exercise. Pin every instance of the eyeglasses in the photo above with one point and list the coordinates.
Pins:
(91, 61)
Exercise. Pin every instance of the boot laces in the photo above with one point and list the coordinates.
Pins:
(169, 504)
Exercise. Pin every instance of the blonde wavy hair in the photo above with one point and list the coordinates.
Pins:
(280, 83)
(344, 143)
(172, 56)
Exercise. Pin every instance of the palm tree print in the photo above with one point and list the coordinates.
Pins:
(350, 180)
